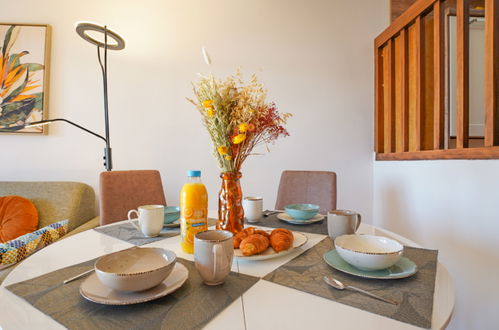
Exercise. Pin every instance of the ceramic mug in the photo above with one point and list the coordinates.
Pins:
(342, 222)
(253, 208)
(213, 253)
(150, 217)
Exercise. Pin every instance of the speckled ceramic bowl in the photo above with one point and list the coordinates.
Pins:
(135, 269)
(172, 213)
(368, 252)
(302, 211)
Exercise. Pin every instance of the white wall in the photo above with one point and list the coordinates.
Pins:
(301, 50)
(452, 206)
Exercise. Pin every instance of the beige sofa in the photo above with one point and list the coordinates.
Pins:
(56, 201)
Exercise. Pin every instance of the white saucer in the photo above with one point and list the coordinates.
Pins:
(287, 218)
(298, 240)
(173, 224)
(92, 289)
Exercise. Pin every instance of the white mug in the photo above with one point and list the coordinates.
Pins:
(151, 218)
(213, 253)
(342, 222)
(253, 208)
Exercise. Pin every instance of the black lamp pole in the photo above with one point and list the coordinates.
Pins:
(108, 160)
(48, 121)
(107, 150)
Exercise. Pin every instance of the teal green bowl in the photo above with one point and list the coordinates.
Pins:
(302, 211)
(172, 213)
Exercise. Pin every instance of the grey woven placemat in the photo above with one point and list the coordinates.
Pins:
(415, 293)
(273, 221)
(190, 307)
(128, 233)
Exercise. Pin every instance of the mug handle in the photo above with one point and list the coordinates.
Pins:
(218, 257)
(130, 219)
(358, 222)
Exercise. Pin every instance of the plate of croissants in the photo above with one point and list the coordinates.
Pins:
(256, 244)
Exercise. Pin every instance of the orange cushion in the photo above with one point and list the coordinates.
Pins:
(18, 216)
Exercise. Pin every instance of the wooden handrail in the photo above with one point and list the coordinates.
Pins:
(417, 9)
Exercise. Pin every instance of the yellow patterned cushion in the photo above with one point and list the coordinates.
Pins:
(13, 251)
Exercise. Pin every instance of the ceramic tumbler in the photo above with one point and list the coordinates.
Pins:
(213, 253)
(253, 208)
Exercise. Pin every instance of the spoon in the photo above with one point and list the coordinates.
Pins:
(340, 286)
(78, 276)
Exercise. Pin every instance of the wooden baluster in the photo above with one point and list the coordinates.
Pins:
(404, 92)
(378, 103)
(491, 73)
(389, 84)
(438, 75)
(420, 82)
(462, 74)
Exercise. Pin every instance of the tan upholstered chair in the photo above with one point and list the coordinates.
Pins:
(314, 187)
(56, 201)
(121, 191)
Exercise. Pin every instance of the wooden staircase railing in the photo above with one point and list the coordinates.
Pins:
(410, 83)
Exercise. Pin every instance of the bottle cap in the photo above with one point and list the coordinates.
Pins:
(194, 173)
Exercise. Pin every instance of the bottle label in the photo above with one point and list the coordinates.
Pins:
(191, 228)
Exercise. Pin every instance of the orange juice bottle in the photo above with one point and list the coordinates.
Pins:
(193, 210)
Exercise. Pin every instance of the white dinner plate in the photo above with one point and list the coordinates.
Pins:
(92, 289)
(298, 240)
(287, 218)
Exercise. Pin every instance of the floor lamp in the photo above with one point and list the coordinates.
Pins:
(82, 28)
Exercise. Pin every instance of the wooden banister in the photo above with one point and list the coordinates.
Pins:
(414, 11)
(410, 83)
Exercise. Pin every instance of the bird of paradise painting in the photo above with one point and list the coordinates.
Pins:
(23, 76)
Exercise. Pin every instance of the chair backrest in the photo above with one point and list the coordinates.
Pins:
(313, 187)
(121, 191)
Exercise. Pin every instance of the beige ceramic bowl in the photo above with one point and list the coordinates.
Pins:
(135, 269)
(368, 252)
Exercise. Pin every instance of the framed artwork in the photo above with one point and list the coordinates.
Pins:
(24, 59)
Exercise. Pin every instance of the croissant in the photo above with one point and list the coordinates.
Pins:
(263, 233)
(281, 239)
(254, 244)
(242, 235)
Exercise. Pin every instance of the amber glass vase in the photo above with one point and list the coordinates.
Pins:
(230, 207)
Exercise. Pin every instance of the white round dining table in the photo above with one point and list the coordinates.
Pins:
(265, 305)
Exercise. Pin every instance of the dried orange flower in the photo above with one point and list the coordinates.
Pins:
(243, 128)
(222, 150)
(238, 138)
(208, 104)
